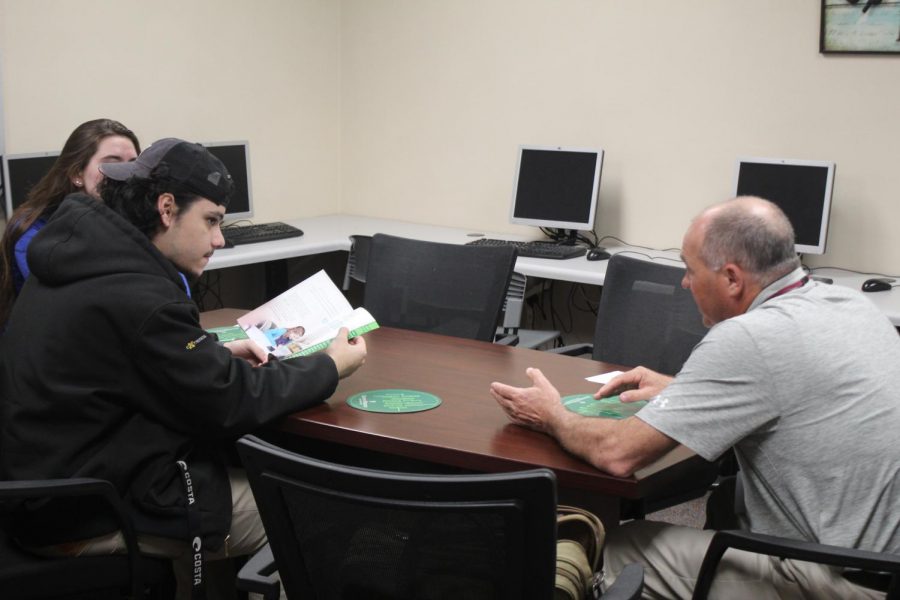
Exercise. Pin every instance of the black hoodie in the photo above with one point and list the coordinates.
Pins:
(107, 373)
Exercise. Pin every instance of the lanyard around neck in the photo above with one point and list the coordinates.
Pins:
(786, 289)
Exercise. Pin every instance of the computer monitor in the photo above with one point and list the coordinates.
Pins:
(20, 173)
(236, 158)
(801, 188)
(556, 187)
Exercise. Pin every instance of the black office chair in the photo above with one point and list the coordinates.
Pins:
(337, 531)
(726, 508)
(25, 575)
(875, 569)
(451, 289)
(645, 317)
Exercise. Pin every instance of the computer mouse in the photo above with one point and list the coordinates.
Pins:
(877, 285)
(597, 254)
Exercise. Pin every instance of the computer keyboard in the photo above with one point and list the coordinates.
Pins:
(535, 249)
(259, 232)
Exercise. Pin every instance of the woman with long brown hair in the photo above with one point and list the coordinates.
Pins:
(76, 170)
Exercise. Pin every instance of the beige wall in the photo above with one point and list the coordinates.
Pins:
(267, 71)
(413, 109)
(438, 95)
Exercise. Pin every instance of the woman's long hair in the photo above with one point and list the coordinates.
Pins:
(47, 194)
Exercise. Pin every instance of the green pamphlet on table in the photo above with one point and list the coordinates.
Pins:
(611, 407)
(300, 321)
(393, 401)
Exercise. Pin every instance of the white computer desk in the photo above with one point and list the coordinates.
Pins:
(888, 302)
(331, 233)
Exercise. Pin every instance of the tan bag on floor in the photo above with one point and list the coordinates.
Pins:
(580, 537)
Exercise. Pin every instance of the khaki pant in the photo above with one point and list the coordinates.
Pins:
(671, 556)
(245, 537)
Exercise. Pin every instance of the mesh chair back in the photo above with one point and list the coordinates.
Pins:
(341, 532)
(451, 289)
(645, 317)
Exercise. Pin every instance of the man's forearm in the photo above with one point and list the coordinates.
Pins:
(619, 447)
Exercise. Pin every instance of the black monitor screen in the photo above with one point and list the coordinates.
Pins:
(20, 174)
(802, 191)
(557, 187)
(234, 156)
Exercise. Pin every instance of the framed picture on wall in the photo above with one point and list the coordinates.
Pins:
(860, 27)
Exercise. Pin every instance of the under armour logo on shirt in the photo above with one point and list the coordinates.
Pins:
(659, 402)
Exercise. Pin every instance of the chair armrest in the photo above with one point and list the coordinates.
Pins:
(573, 349)
(629, 584)
(44, 488)
(83, 486)
(78, 486)
(257, 575)
(794, 549)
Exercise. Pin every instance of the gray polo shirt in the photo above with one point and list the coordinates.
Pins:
(806, 387)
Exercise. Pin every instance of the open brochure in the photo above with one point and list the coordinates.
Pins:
(300, 321)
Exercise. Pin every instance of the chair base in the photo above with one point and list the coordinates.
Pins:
(534, 338)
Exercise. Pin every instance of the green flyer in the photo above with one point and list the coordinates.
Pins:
(228, 333)
(393, 401)
(611, 407)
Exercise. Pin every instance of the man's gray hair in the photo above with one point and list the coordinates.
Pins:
(755, 235)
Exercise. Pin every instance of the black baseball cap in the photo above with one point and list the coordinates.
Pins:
(186, 163)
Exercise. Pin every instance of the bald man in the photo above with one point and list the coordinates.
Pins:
(800, 378)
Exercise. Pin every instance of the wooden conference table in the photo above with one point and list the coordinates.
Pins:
(469, 431)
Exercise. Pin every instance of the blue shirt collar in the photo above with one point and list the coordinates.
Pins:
(187, 287)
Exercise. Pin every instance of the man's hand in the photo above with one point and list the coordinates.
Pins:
(248, 350)
(348, 355)
(637, 384)
(536, 407)
(616, 446)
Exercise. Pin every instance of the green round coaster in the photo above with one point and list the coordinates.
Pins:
(611, 407)
(393, 401)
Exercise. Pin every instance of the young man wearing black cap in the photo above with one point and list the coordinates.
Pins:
(107, 372)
